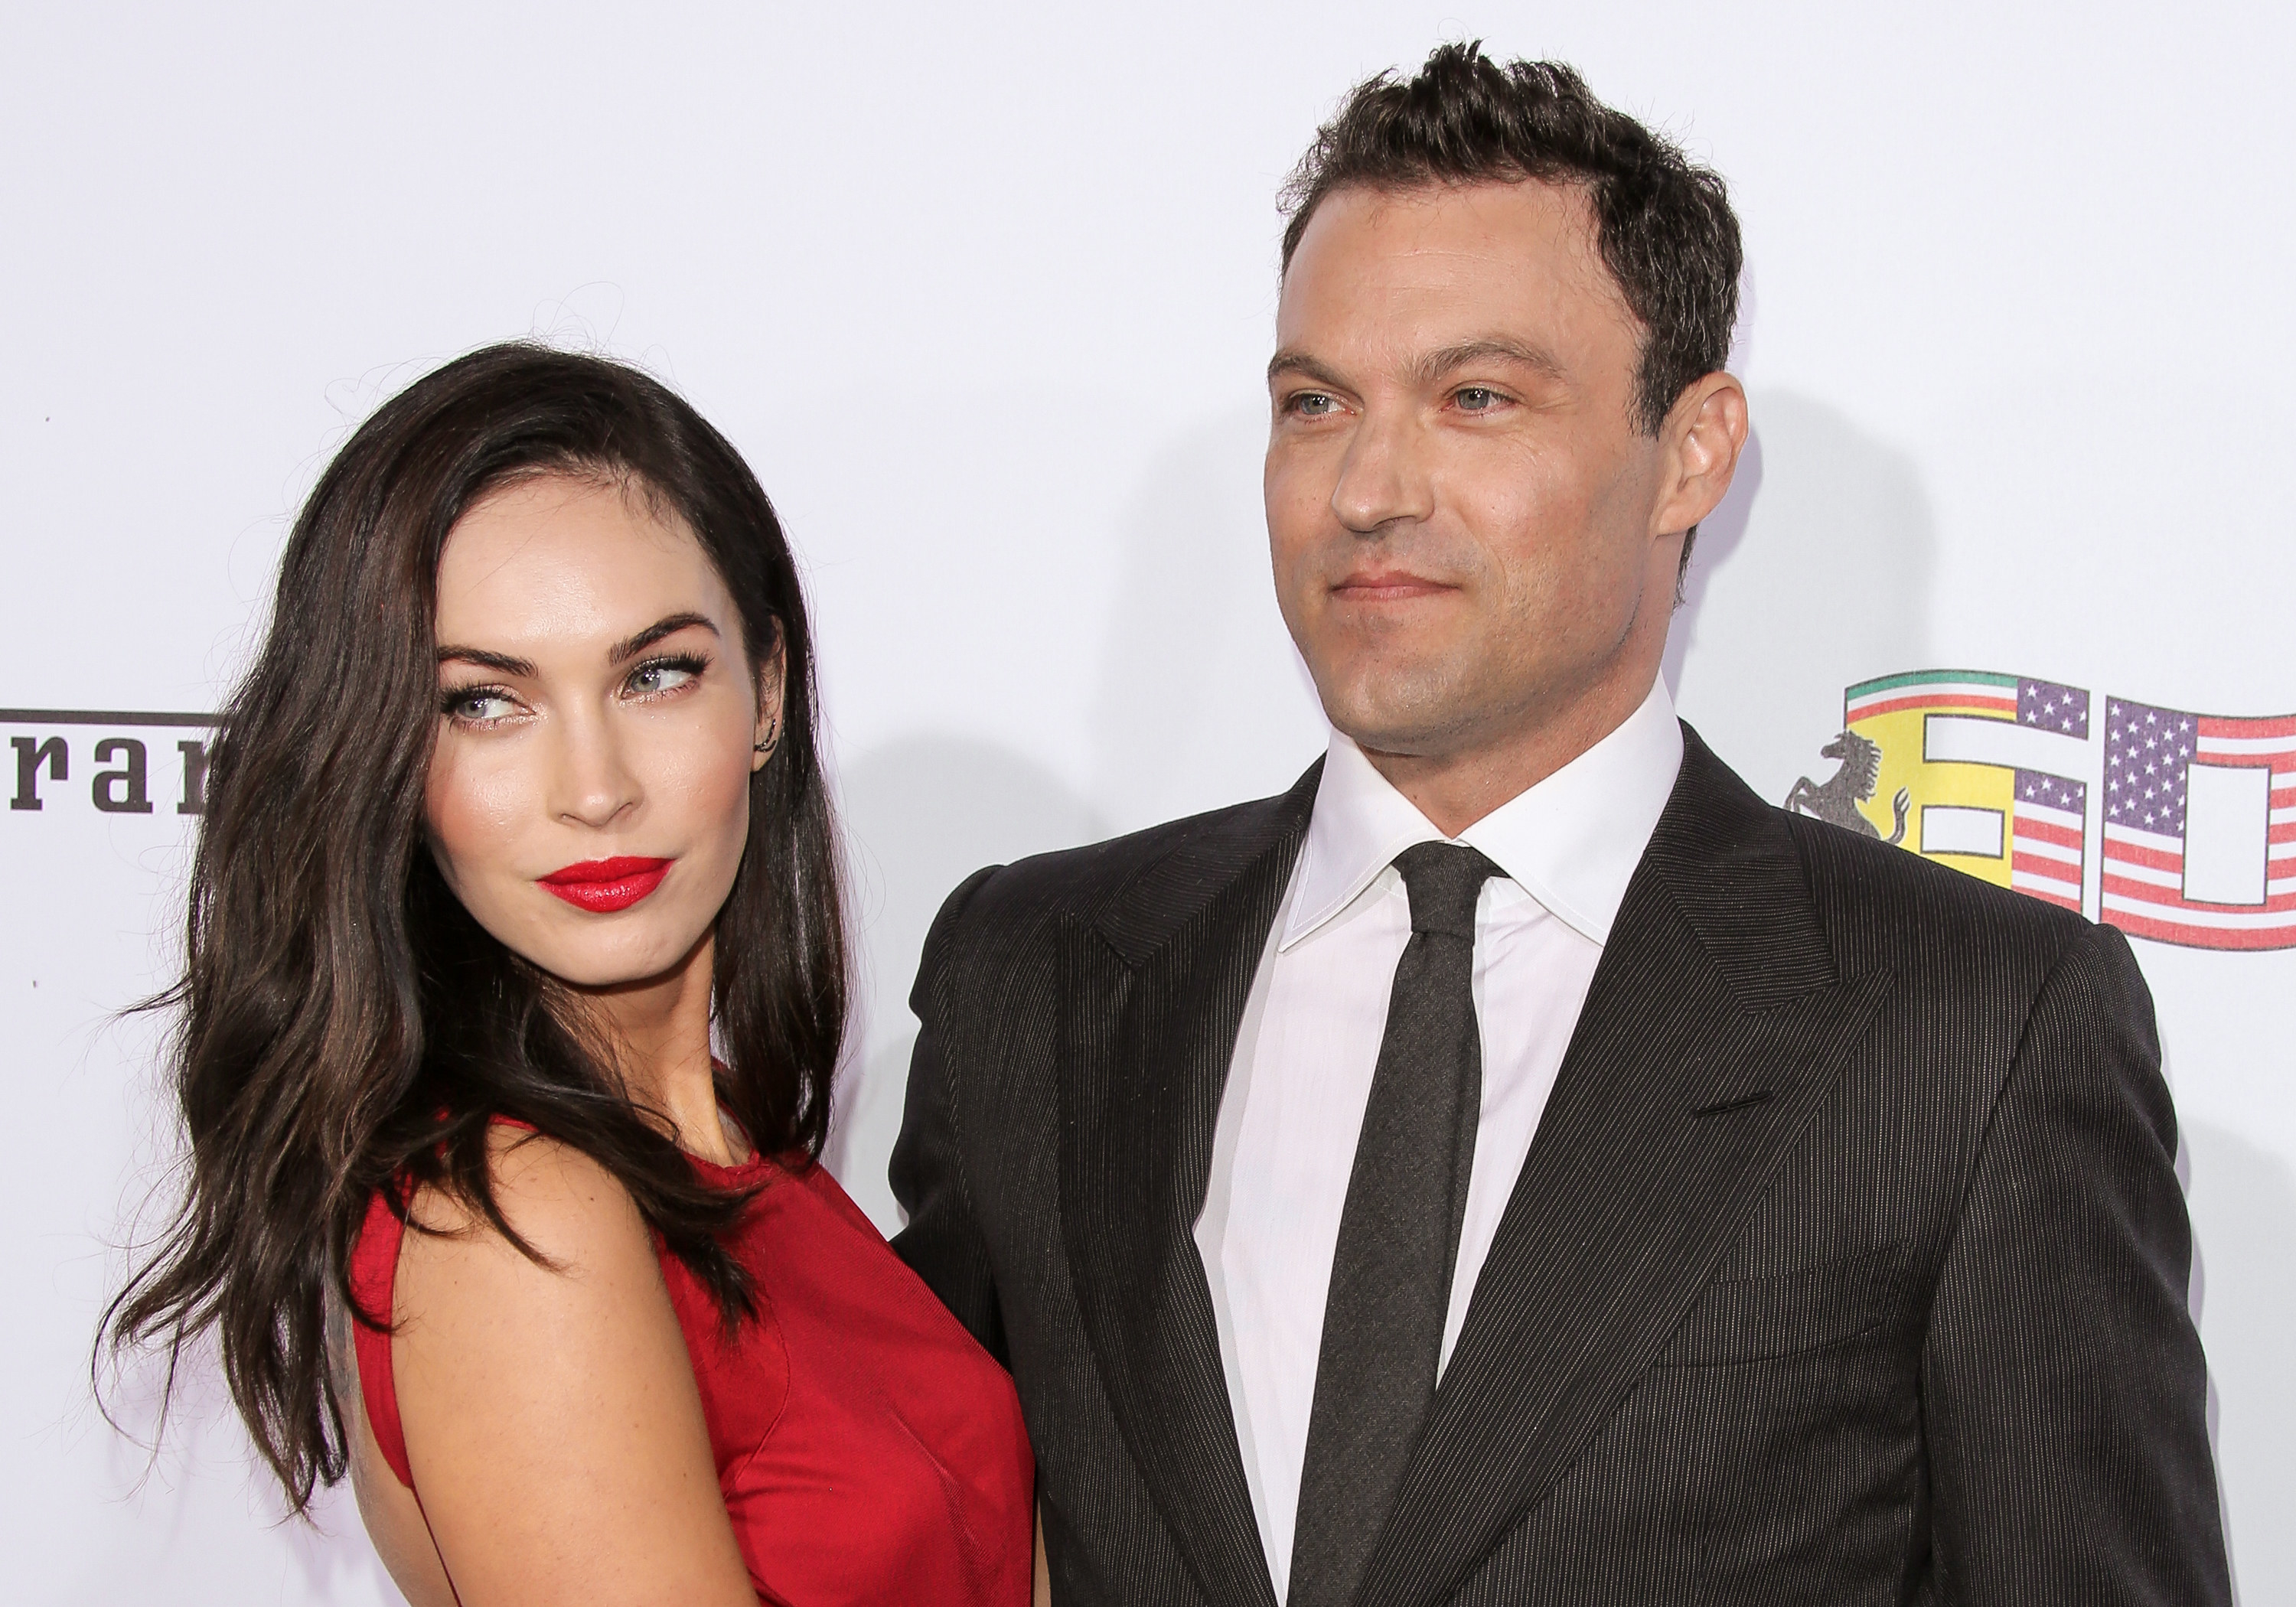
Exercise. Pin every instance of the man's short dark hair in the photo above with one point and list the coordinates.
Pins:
(1663, 223)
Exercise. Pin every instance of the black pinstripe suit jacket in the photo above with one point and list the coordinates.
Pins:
(1849, 1263)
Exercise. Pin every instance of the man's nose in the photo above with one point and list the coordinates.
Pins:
(591, 782)
(1384, 476)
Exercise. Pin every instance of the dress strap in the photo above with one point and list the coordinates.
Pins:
(374, 1275)
(375, 1281)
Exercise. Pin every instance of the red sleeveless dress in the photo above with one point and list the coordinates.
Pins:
(867, 1449)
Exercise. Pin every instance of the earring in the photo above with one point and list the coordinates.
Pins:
(772, 737)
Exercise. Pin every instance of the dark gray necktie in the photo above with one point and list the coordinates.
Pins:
(1399, 1235)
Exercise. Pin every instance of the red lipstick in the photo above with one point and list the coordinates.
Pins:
(602, 886)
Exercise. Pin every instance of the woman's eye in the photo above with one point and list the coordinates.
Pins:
(660, 676)
(479, 705)
(1477, 398)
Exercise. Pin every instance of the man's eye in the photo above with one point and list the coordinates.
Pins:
(1313, 404)
(1477, 398)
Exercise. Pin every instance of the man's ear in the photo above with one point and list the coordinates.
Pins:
(1703, 433)
(772, 681)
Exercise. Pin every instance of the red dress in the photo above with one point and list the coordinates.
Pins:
(867, 1449)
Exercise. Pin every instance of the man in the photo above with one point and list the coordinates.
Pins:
(1517, 1164)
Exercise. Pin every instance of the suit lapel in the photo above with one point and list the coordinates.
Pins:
(1715, 1027)
(1153, 996)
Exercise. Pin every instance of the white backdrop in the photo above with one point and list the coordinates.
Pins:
(985, 298)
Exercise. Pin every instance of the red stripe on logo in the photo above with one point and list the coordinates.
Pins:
(2155, 859)
(2045, 831)
(2202, 937)
(1932, 700)
(2250, 730)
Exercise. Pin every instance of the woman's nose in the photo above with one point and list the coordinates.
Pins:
(594, 782)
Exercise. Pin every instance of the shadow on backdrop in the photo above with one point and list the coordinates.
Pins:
(920, 816)
(335, 1560)
(1719, 535)
(2243, 1207)
(1815, 572)
(206, 1478)
(1202, 700)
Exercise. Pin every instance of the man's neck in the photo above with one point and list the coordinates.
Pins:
(1457, 786)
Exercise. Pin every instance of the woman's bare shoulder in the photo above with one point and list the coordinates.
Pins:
(490, 1321)
(547, 1396)
(562, 1203)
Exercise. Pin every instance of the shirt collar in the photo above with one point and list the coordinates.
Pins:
(1571, 842)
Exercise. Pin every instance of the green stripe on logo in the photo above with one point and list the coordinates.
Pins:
(1928, 678)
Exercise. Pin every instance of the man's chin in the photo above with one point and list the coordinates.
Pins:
(1387, 708)
(1406, 734)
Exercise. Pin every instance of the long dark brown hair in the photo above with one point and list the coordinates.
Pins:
(343, 1023)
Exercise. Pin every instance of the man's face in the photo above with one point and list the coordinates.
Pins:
(1460, 507)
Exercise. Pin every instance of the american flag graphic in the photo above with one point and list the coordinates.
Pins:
(2051, 706)
(2200, 827)
(2048, 826)
(2046, 855)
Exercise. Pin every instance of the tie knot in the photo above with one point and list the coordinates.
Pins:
(1444, 880)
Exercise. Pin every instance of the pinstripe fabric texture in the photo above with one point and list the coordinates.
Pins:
(1847, 1265)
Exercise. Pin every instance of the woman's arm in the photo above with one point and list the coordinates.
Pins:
(552, 1420)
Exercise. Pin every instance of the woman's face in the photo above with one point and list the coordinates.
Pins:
(589, 792)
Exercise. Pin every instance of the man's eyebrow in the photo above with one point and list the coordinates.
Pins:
(501, 663)
(1430, 366)
(669, 624)
(1433, 365)
(1298, 363)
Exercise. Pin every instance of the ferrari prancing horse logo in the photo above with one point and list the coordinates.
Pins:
(2194, 842)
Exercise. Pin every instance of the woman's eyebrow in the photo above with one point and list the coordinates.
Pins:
(501, 663)
(620, 652)
(669, 624)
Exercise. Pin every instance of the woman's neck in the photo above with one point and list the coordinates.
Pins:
(660, 1032)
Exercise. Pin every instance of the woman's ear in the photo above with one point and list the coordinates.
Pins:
(772, 677)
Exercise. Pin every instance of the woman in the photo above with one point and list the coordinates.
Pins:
(518, 810)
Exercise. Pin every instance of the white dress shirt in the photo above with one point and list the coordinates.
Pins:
(1298, 1086)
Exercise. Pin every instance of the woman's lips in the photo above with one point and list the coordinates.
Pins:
(602, 886)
